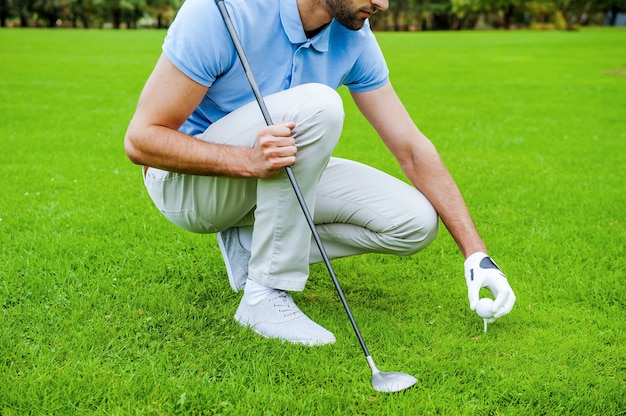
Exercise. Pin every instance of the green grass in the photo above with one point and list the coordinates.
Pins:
(106, 308)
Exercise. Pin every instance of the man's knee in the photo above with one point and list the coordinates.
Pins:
(321, 98)
(322, 107)
(422, 231)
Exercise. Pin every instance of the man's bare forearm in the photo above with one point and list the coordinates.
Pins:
(164, 148)
(427, 172)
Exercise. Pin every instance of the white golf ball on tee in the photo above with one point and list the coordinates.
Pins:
(484, 308)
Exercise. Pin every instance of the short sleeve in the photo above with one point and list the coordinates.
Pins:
(197, 42)
(370, 70)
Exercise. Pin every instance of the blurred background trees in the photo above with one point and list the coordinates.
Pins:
(504, 14)
(116, 14)
(402, 14)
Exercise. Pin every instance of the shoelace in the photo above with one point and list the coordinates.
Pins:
(290, 307)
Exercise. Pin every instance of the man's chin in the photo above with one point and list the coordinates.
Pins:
(354, 24)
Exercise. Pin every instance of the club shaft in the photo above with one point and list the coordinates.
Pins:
(292, 179)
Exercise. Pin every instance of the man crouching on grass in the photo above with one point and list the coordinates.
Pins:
(211, 165)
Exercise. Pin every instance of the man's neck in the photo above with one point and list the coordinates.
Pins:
(314, 16)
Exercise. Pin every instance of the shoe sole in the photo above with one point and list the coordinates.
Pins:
(317, 343)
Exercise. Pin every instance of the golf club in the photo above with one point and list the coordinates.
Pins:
(381, 381)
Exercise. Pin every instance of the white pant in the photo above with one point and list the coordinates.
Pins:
(357, 209)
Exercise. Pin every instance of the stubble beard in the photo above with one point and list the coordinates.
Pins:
(344, 15)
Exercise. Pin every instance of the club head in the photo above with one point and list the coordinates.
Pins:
(388, 382)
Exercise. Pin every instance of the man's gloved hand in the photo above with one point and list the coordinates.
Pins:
(481, 271)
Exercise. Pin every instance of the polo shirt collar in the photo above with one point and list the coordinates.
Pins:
(290, 19)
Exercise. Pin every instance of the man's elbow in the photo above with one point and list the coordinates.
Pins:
(130, 147)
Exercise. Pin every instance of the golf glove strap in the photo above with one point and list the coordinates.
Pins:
(481, 271)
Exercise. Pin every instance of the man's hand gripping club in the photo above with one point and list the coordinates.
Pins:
(275, 148)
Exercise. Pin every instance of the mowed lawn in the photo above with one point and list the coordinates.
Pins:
(106, 308)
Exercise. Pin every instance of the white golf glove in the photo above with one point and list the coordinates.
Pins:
(481, 271)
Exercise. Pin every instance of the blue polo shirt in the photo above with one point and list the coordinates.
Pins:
(279, 52)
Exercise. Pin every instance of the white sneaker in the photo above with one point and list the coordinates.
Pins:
(276, 316)
(236, 257)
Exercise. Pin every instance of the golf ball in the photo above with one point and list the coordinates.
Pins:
(484, 308)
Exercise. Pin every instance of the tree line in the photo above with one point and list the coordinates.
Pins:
(402, 14)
